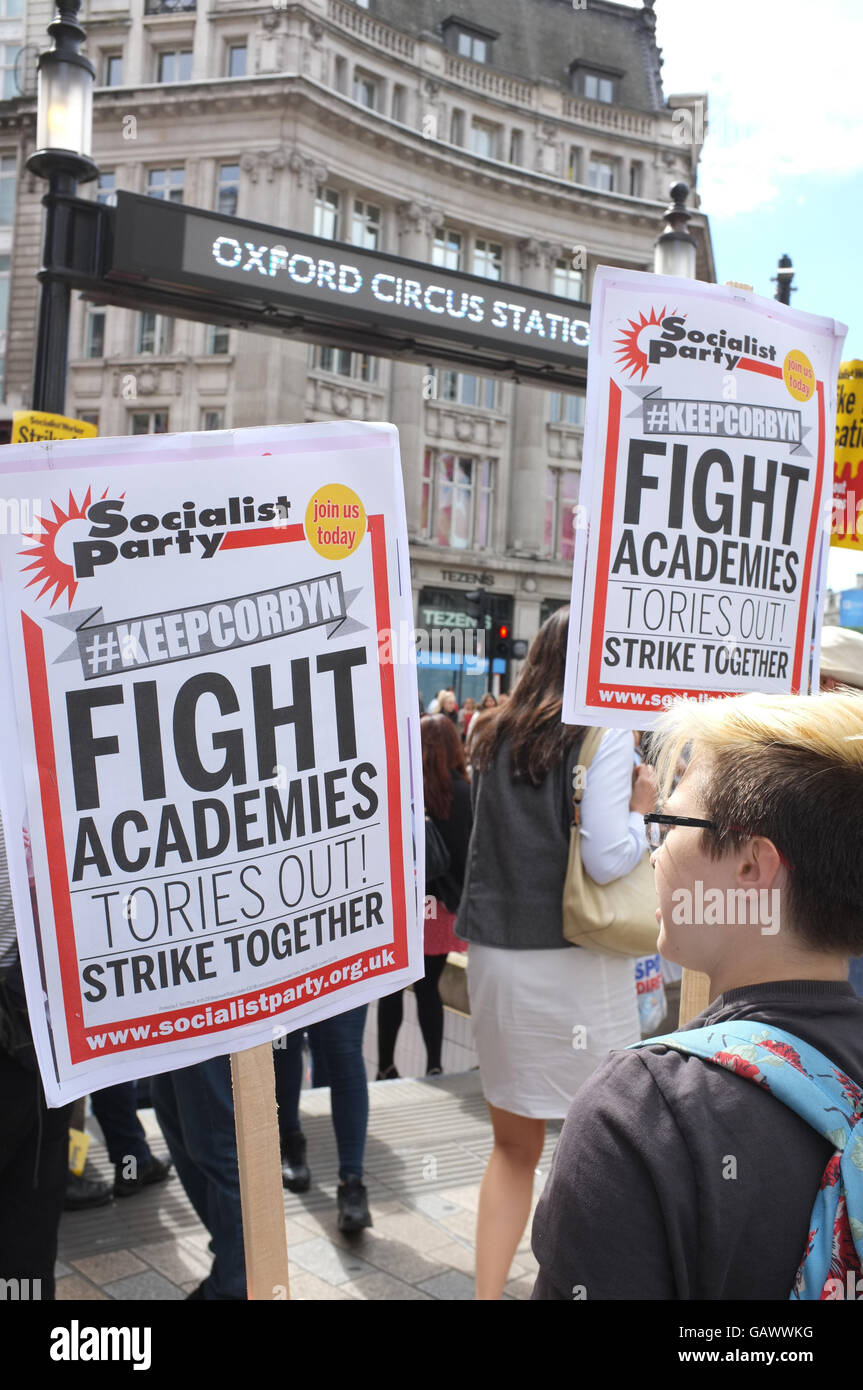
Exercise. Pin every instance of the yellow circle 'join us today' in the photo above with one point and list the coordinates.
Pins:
(799, 375)
(335, 521)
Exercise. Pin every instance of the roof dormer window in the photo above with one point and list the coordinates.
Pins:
(468, 40)
(596, 84)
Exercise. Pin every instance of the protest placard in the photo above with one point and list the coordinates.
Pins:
(706, 491)
(847, 528)
(213, 768)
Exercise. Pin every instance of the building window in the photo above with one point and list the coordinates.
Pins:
(596, 86)
(94, 333)
(366, 228)
(635, 179)
(561, 499)
(212, 419)
(457, 500)
(112, 70)
(567, 408)
(485, 139)
(90, 417)
(327, 214)
(8, 62)
(218, 340)
(360, 366)
(456, 128)
(568, 283)
(487, 259)
(166, 184)
(11, 9)
(106, 188)
(446, 251)
(228, 189)
(155, 334)
(399, 102)
(8, 176)
(600, 175)
(237, 60)
(516, 147)
(341, 75)
(366, 90)
(466, 389)
(148, 422)
(573, 168)
(174, 65)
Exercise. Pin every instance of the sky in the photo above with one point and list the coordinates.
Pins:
(782, 166)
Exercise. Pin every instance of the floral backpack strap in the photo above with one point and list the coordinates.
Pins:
(816, 1090)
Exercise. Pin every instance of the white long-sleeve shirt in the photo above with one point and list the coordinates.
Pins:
(612, 836)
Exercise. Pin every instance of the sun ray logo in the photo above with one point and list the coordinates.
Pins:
(51, 570)
(631, 355)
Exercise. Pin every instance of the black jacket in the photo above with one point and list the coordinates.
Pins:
(455, 833)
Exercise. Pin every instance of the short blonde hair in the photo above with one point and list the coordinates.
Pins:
(790, 768)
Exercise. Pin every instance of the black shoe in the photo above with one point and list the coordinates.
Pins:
(295, 1173)
(389, 1074)
(86, 1192)
(354, 1214)
(148, 1173)
(435, 1071)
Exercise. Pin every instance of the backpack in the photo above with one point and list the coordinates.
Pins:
(816, 1090)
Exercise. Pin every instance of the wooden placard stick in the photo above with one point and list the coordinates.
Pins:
(694, 995)
(264, 1235)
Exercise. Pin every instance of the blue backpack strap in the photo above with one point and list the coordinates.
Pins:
(820, 1093)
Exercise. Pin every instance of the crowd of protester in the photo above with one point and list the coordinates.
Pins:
(757, 792)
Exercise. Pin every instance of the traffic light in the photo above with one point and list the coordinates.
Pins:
(502, 642)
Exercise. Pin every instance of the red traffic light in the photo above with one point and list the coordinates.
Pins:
(502, 631)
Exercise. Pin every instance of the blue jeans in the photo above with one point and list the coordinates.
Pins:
(115, 1107)
(337, 1062)
(195, 1107)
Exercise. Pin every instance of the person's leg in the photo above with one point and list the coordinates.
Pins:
(205, 1112)
(505, 1197)
(164, 1098)
(389, 1023)
(430, 1010)
(288, 1063)
(34, 1151)
(341, 1041)
(115, 1107)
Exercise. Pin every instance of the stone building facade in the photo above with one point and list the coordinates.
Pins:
(524, 140)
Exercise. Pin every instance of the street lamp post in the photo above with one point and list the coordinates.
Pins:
(783, 277)
(675, 250)
(64, 123)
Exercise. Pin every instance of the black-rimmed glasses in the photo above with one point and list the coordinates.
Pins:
(657, 826)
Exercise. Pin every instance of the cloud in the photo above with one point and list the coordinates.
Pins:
(782, 82)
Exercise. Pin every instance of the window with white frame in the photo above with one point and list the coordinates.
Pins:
(466, 389)
(573, 168)
(94, 332)
(327, 214)
(340, 75)
(174, 65)
(516, 147)
(166, 184)
(213, 419)
(567, 283)
(566, 408)
(456, 128)
(106, 188)
(228, 189)
(457, 500)
(112, 70)
(360, 366)
(8, 177)
(148, 422)
(487, 259)
(601, 175)
(485, 139)
(561, 499)
(155, 334)
(8, 60)
(595, 85)
(366, 225)
(467, 44)
(399, 102)
(636, 181)
(218, 340)
(447, 249)
(236, 61)
(367, 89)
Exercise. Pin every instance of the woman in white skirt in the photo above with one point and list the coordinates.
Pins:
(545, 1013)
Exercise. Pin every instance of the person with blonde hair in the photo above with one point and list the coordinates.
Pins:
(675, 1176)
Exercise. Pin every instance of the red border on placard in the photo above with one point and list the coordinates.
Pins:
(37, 677)
(597, 630)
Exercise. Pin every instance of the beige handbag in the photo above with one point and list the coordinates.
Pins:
(617, 918)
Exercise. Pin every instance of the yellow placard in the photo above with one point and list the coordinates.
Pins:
(79, 1143)
(847, 522)
(31, 425)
